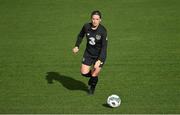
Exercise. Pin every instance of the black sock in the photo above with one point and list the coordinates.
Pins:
(93, 81)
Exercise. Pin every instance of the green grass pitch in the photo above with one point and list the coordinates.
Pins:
(142, 67)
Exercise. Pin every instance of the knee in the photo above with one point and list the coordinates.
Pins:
(83, 74)
(86, 74)
(95, 75)
(84, 71)
(96, 72)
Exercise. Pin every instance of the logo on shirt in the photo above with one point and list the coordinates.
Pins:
(98, 37)
(92, 41)
(88, 34)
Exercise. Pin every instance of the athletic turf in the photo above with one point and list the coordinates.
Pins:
(39, 73)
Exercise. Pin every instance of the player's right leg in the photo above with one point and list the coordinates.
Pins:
(86, 65)
(85, 70)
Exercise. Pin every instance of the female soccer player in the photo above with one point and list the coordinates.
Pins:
(96, 49)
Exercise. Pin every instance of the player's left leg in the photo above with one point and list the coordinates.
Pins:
(96, 71)
(93, 80)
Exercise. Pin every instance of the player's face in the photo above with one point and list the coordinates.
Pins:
(95, 20)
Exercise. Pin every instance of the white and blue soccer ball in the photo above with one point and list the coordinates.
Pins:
(114, 100)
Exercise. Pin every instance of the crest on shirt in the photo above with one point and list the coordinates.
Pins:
(98, 37)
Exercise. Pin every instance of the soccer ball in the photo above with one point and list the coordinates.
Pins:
(113, 100)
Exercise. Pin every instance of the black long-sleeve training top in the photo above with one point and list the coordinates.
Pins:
(96, 40)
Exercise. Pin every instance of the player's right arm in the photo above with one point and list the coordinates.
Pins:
(75, 49)
(79, 39)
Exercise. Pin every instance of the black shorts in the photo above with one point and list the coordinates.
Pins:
(90, 60)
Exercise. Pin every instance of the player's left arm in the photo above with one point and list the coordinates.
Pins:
(103, 53)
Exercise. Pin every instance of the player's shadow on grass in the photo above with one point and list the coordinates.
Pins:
(66, 81)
